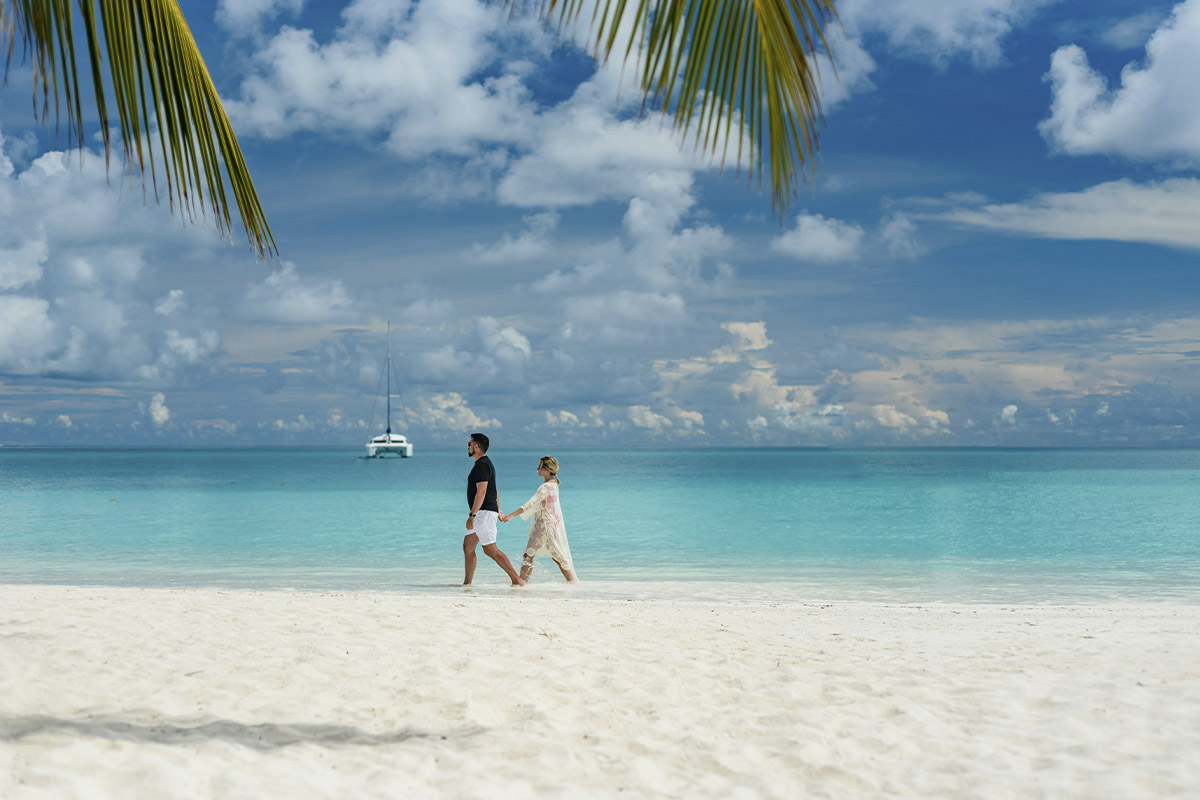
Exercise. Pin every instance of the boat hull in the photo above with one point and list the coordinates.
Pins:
(381, 450)
(389, 445)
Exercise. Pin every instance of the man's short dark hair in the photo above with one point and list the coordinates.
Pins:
(481, 440)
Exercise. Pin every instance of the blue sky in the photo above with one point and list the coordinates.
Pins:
(999, 245)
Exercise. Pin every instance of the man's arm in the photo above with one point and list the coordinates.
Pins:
(480, 492)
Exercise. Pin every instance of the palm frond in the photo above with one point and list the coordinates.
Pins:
(146, 51)
(707, 63)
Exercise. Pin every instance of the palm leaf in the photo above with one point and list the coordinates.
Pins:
(156, 72)
(707, 63)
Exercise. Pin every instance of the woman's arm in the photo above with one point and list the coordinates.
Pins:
(530, 506)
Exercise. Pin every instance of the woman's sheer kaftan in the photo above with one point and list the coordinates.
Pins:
(547, 533)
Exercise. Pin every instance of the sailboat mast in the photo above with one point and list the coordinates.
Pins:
(389, 380)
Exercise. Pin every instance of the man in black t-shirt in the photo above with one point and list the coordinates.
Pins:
(481, 522)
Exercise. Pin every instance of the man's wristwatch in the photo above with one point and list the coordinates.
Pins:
(470, 515)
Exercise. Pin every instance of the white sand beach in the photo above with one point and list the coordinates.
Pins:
(120, 692)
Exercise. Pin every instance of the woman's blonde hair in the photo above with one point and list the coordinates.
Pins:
(550, 464)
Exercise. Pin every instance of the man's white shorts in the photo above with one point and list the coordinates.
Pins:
(485, 527)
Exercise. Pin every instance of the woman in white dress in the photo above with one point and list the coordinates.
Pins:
(547, 534)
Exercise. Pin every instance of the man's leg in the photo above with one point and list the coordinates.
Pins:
(495, 554)
(469, 542)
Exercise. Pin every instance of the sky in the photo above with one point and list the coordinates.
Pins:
(999, 244)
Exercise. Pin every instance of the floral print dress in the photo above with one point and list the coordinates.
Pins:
(547, 534)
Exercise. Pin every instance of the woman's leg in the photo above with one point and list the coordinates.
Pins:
(526, 567)
(567, 573)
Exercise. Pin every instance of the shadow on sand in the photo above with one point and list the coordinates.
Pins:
(262, 736)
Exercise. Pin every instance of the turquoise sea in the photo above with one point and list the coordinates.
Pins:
(919, 525)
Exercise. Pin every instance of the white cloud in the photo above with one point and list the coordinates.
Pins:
(936, 419)
(503, 343)
(413, 78)
(597, 145)
(67, 199)
(449, 411)
(747, 336)
(73, 256)
(816, 238)
(178, 351)
(768, 402)
(158, 411)
(854, 66)
(22, 264)
(586, 149)
(246, 17)
(938, 30)
(688, 421)
(889, 417)
(534, 241)
(7, 169)
(445, 181)
(1132, 32)
(443, 79)
(222, 426)
(65, 421)
(623, 317)
(1009, 414)
(915, 417)
(1153, 115)
(1162, 213)
(284, 296)
(376, 17)
(663, 256)
(626, 292)
(761, 385)
(337, 420)
(298, 425)
(192, 349)
(171, 303)
(427, 312)
(22, 148)
(900, 234)
(562, 419)
(643, 417)
(953, 363)
(27, 334)
(438, 364)
(12, 419)
(481, 351)
(672, 420)
(811, 418)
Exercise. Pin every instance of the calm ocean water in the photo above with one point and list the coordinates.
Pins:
(903, 525)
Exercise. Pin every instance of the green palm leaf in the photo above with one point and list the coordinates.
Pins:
(154, 68)
(708, 63)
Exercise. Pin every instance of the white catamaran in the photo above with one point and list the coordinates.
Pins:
(388, 442)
